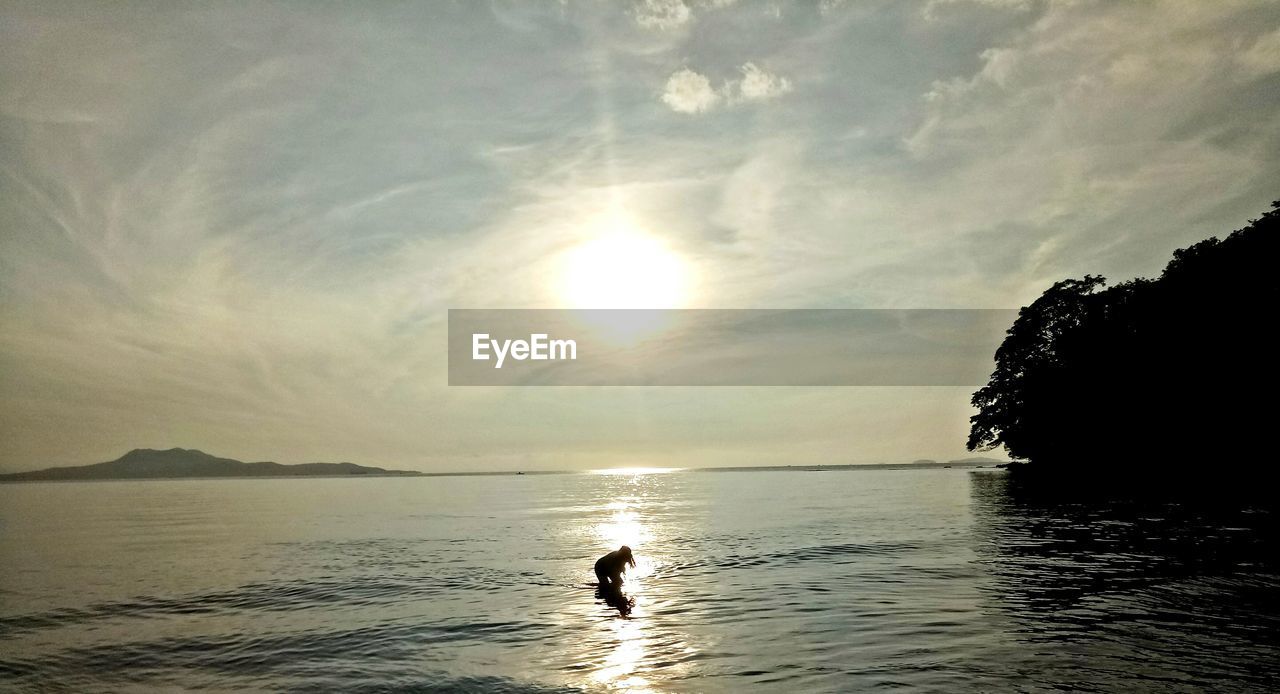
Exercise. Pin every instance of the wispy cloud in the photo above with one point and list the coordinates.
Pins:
(932, 7)
(668, 15)
(1263, 57)
(662, 14)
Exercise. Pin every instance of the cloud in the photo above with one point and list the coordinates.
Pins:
(688, 91)
(826, 7)
(1097, 138)
(662, 14)
(665, 15)
(758, 85)
(1095, 72)
(1263, 57)
(931, 9)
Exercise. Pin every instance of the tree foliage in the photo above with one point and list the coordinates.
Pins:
(1177, 370)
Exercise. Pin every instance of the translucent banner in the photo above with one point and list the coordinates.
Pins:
(724, 347)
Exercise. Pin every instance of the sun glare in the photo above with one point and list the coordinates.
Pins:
(623, 267)
(636, 470)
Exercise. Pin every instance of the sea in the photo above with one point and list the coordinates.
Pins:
(798, 580)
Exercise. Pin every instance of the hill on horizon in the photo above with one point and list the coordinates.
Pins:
(178, 463)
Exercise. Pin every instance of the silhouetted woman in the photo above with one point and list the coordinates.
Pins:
(609, 568)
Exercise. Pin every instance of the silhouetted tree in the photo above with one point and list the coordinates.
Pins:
(1148, 374)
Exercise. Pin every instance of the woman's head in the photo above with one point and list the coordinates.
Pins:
(625, 553)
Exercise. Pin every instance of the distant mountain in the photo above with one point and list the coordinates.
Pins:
(146, 463)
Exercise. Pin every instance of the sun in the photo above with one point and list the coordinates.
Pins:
(621, 266)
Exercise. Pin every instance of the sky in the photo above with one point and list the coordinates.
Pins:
(238, 227)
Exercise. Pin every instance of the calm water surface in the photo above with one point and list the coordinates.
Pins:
(935, 580)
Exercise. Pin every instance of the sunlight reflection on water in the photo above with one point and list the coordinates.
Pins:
(621, 669)
(636, 471)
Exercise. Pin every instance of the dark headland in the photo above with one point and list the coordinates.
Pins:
(1150, 383)
(179, 463)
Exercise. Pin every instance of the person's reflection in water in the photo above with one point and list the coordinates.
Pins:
(609, 570)
(613, 596)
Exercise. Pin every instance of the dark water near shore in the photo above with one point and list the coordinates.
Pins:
(938, 580)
